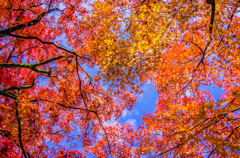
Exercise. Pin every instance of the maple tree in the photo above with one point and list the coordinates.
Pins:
(48, 98)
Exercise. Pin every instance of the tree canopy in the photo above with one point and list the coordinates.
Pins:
(47, 95)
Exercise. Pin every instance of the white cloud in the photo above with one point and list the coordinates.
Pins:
(147, 92)
(132, 122)
(126, 113)
(110, 122)
(135, 111)
(188, 93)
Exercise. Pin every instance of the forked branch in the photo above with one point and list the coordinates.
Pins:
(46, 42)
(8, 31)
(33, 66)
(19, 87)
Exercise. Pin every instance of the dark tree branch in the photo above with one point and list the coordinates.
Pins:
(106, 134)
(24, 51)
(57, 132)
(231, 18)
(8, 31)
(50, 3)
(135, 13)
(80, 83)
(10, 55)
(5, 45)
(47, 100)
(212, 2)
(85, 103)
(223, 115)
(19, 87)
(46, 42)
(10, 95)
(229, 136)
(46, 147)
(51, 60)
(25, 9)
(175, 147)
(90, 77)
(22, 65)
(7, 134)
(19, 129)
(195, 45)
(33, 66)
(204, 54)
(173, 17)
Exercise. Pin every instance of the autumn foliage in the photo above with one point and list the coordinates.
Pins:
(50, 105)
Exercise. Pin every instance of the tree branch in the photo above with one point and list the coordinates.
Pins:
(204, 54)
(5, 45)
(10, 95)
(175, 147)
(19, 87)
(19, 129)
(22, 65)
(10, 55)
(46, 42)
(51, 60)
(33, 66)
(22, 52)
(212, 2)
(64, 105)
(8, 31)
(195, 45)
(106, 134)
(230, 21)
(229, 136)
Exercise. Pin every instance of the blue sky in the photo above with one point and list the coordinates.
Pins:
(144, 104)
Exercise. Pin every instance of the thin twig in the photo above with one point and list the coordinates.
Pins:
(69, 107)
(47, 42)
